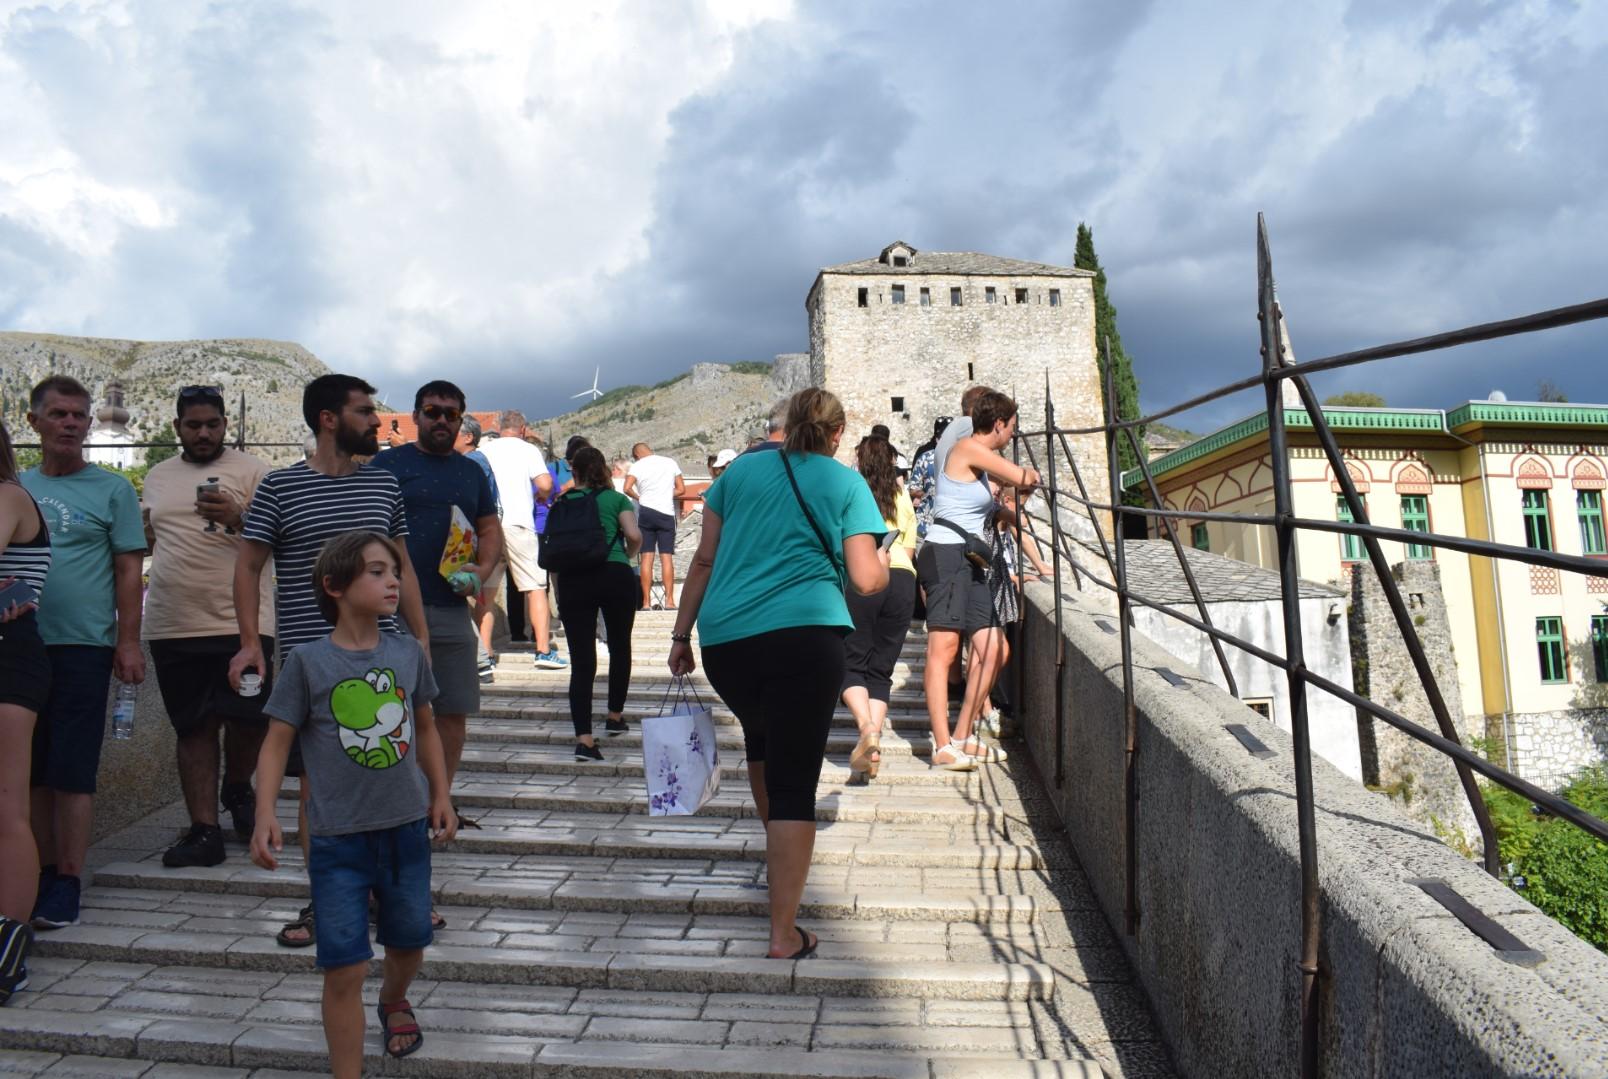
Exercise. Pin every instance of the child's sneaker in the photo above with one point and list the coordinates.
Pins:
(550, 660)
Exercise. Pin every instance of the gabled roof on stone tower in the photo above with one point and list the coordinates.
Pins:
(955, 262)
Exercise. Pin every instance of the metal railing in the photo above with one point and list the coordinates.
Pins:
(1278, 368)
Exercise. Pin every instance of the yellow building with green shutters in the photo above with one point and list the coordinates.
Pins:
(1531, 643)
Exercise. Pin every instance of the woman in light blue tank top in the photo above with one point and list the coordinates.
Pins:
(959, 601)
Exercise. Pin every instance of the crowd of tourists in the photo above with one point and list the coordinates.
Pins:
(351, 598)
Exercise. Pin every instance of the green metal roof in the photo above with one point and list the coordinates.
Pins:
(1509, 413)
(1528, 414)
(1341, 419)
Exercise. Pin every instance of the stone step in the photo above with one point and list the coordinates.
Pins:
(548, 691)
(637, 886)
(535, 724)
(987, 807)
(531, 759)
(97, 1018)
(598, 950)
(527, 831)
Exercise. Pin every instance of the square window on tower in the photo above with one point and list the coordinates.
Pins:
(898, 404)
(1021, 295)
(1055, 297)
(926, 298)
(864, 297)
(898, 294)
(954, 297)
(989, 295)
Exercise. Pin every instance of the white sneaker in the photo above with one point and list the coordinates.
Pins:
(988, 724)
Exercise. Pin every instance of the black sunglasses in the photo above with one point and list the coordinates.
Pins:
(201, 391)
(436, 412)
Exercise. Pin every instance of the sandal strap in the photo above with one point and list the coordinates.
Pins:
(394, 1007)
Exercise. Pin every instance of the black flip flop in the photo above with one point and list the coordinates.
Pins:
(809, 945)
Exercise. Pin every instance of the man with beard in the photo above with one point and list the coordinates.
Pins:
(295, 510)
(195, 505)
(435, 479)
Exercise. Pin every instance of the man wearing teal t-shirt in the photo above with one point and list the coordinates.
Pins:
(89, 617)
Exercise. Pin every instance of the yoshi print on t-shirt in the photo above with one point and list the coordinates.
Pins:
(375, 720)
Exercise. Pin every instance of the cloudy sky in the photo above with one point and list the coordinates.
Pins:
(513, 194)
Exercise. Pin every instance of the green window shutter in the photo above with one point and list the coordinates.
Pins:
(1537, 522)
(1415, 518)
(1549, 647)
(1588, 504)
(1351, 547)
(1599, 645)
(1199, 538)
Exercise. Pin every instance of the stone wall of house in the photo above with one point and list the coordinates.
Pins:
(1422, 779)
(1548, 748)
(927, 356)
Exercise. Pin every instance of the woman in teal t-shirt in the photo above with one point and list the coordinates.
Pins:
(766, 591)
(611, 589)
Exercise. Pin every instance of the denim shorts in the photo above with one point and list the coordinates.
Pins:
(391, 863)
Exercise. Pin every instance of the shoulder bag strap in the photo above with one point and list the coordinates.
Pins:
(810, 517)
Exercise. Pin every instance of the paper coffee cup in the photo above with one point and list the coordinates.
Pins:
(250, 684)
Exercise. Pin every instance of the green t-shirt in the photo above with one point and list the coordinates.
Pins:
(610, 504)
(92, 515)
(770, 571)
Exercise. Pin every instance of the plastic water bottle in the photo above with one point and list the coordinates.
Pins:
(123, 710)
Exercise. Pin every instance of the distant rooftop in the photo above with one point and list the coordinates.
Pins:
(1153, 573)
(902, 259)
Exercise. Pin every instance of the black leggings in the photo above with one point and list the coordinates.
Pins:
(881, 623)
(612, 589)
(783, 685)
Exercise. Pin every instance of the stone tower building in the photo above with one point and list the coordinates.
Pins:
(900, 336)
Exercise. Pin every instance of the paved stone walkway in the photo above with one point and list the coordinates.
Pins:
(958, 935)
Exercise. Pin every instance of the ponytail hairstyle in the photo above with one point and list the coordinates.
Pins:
(812, 416)
(8, 459)
(591, 469)
(875, 460)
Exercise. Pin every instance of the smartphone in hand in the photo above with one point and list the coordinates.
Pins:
(16, 592)
(889, 539)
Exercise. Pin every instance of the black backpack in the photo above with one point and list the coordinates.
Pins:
(574, 537)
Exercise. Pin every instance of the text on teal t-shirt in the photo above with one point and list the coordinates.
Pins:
(92, 514)
(770, 571)
(610, 504)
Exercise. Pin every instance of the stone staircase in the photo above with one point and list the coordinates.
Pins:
(958, 935)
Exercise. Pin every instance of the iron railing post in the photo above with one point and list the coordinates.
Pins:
(1018, 654)
(1409, 635)
(1055, 562)
(1130, 719)
(1294, 653)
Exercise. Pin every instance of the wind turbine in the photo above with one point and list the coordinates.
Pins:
(594, 392)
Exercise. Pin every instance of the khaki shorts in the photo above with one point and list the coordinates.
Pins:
(519, 548)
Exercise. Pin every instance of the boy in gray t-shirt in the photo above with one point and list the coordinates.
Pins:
(360, 699)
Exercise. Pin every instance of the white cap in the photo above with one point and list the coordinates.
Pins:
(724, 458)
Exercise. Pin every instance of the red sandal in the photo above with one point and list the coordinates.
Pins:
(400, 1030)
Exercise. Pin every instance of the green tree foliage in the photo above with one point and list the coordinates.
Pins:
(1565, 870)
(1355, 399)
(164, 445)
(1105, 330)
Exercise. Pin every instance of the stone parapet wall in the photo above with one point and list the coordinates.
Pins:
(1405, 989)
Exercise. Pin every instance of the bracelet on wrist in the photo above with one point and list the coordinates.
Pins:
(682, 638)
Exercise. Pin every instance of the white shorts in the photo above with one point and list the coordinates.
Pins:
(519, 548)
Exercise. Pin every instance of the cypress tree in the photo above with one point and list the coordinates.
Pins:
(1105, 329)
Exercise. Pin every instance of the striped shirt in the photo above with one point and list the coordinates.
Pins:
(294, 511)
(28, 561)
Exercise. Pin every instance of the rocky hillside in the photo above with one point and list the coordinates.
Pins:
(712, 407)
(271, 373)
